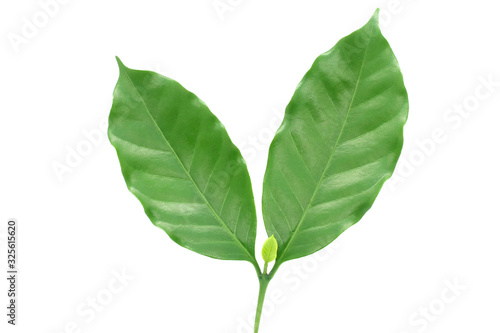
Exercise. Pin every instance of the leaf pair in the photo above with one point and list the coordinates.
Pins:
(339, 141)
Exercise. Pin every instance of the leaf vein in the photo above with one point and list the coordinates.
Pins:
(329, 160)
(223, 224)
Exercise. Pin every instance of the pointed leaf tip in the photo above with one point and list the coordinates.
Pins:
(140, 121)
(301, 147)
(375, 17)
(120, 63)
(373, 23)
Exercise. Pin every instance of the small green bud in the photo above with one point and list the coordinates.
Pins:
(270, 249)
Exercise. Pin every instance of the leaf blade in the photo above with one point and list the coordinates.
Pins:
(178, 160)
(339, 141)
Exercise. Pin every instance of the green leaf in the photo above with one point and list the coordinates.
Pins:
(339, 142)
(270, 249)
(177, 159)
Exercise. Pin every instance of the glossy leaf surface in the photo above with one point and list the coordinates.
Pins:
(177, 159)
(340, 140)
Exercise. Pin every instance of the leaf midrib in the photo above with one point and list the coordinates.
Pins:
(188, 174)
(279, 260)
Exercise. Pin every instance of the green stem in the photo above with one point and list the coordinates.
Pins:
(274, 270)
(264, 283)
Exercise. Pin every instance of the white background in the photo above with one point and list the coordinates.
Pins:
(434, 224)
